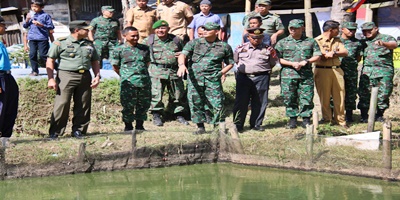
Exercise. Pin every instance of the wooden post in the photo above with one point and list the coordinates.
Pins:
(236, 143)
(315, 121)
(134, 143)
(3, 168)
(247, 7)
(310, 141)
(372, 109)
(387, 147)
(82, 152)
(308, 18)
(368, 13)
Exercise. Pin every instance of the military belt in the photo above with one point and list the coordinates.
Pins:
(327, 67)
(81, 71)
(252, 75)
(2, 72)
(163, 65)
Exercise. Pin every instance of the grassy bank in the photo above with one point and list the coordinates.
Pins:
(30, 146)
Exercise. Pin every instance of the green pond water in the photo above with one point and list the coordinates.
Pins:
(206, 181)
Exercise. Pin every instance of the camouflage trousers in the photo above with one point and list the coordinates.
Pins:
(350, 85)
(298, 96)
(385, 85)
(135, 101)
(104, 48)
(176, 93)
(209, 94)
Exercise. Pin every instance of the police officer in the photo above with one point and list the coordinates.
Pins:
(9, 92)
(255, 62)
(272, 23)
(205, 71)
(106, 33)
(377, 71)
(141, 17)
(75, 55)
(296, 53)
(164, 50)
(349, 64)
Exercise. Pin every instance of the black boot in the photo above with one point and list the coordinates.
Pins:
(200, 129)
(306, 121)
(379, 115)
(292, 123)
(349, 116)
(139, 125)
(364, 116)
(157, 119)
(182, 120)
(128, 126)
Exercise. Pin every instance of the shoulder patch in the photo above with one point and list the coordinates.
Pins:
(276, 15)
(61, 38)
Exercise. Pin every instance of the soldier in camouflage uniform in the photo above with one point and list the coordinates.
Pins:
(205, 72)
(130, 61)
(297, 52)
(164, 50)
(106, 33)
(377, 71)
(272, 23)
(349, 65)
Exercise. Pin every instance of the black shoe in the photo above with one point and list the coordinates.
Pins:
(139, 125)
(182, 120)
(364, 116)
(379, 115)
(157, 120)
(363, 120)
(292, 123)
(306, 121)
(128, 126)
(258, 128)
(380, 119)
(77, 134)
(349, 116)
(239, 128)
(199, 131)
(53, 136)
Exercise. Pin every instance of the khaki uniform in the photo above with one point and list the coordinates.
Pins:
(329, 80)
(73, 80)
(143, 20)
(176, 16)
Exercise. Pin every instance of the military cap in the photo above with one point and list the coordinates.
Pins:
(258, 32)
(296, 23)
(206, 2)
(80, 24)
(160, 23)
(212, 26)
(263, 2)
(368, 26)
(108, 8)
(349, 25)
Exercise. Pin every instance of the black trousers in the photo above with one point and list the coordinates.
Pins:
(8, 104)
(35, 46)
(254, 88)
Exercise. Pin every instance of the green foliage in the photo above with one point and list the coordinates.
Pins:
(19, 56)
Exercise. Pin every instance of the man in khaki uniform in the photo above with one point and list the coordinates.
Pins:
(328, 75)
(178, 15)
(142, 17)
(76, 55)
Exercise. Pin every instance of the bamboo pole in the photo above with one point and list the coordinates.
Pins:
(372, 109)
(315, 122)
(134, 143)
(310, 141)
(247, 7)
(387, 147)
(308, 18)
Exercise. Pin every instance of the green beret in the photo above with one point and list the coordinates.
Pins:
(212, 26)
(263, 2)
(108, 8)
(160, 23)
(349, 25)
(296, 23)
(368, 26)
(80, 24)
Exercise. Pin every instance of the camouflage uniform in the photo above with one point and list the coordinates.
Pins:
(270, 22)
(204, 81)
(163, 72)
(378, 71)
(245, 21)
(297, 87)
(135, 91)
(349, 65)
(106, 36)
